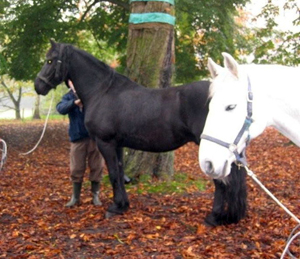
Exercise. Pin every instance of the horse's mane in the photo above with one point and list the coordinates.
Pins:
(93, 59)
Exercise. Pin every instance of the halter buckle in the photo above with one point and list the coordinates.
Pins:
(239, 164)
(232, 147)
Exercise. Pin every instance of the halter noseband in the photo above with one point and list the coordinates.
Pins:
(57, 70)
(233, 147)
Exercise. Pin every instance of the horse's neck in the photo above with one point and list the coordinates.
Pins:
(89, 75)
(275, 100)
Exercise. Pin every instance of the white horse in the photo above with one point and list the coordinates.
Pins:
(245, 99)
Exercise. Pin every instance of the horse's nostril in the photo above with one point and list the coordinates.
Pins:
(209, 169)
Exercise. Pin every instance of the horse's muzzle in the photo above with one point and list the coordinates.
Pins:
(210, 171)
(41, 87)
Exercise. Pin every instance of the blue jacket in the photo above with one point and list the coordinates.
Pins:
(77, 130)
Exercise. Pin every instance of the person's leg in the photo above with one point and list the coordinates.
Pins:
(78, 154)
(96, 164)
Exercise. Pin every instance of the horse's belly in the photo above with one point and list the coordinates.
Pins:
(154, 143)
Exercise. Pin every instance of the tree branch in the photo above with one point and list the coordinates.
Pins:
(8, 91)
(116, 2)
(119, 3)
(16, 102)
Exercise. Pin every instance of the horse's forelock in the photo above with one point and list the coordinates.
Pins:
(214, 85)
(219, 81)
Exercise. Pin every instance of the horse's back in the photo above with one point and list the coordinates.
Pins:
(155, 120)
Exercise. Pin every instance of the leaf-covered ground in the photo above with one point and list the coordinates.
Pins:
(35, 224)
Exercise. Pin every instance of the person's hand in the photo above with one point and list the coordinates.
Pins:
(78, 103)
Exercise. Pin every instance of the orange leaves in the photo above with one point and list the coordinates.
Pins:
(189, 252)
(35, 224)
(202, 229)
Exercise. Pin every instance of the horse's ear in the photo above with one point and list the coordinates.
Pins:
(53, 43)
(231, 64)
(213, 68)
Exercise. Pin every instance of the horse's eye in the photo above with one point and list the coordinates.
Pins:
(230, 107)
(49, 61)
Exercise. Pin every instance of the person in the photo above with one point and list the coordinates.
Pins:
(83, 149)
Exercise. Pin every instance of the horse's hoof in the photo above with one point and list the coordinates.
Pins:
(211, 221)
(127, 180)
(109, 214)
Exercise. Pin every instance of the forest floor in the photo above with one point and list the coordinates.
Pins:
(35, 224)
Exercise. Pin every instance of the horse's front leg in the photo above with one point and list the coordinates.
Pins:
(127, 180)
(236, 195)
(116, 176)
(216, 216)
(230, 199)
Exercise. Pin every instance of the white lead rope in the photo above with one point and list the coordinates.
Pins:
(253, 176)
(4, 153)
(44, 129)
(292, 237)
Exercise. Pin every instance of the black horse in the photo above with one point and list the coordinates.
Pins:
(120, 113)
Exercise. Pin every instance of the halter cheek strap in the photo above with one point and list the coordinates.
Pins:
(57, 70)
(233, 147)
(59, 61)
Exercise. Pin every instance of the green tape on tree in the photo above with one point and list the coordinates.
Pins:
(137, 18)
(167, 1)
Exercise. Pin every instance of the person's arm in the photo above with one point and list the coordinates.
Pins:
(66, 104)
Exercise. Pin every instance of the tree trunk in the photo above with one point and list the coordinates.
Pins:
(17, 113)
(36, 113)
(16, 101)
(150, 59)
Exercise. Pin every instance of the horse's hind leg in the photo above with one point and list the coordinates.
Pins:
(116, 176)
(230, 199)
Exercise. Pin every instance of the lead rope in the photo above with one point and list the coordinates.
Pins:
(292, 237)
(44, 129)
(4, 153)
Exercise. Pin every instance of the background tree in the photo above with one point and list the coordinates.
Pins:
(9, 91)
(26, 26)
(203, 29)
(272, 45)
(36, 114)
(150, 61)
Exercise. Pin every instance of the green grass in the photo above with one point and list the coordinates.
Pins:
(181, 183)
(43, 118)
(55, 117)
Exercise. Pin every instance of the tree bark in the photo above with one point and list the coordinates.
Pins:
(36, 113)
(150, 60)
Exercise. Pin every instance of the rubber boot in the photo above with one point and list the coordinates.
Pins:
(75, 199)
(127, 180)
(95, 187)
